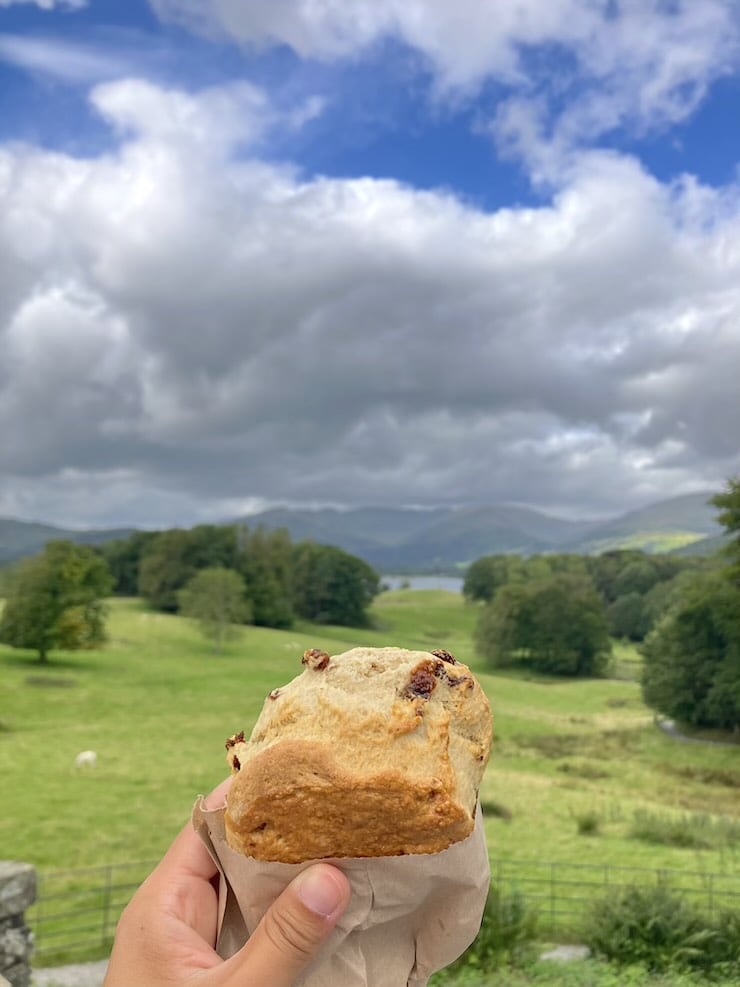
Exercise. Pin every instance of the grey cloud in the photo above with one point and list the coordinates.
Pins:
(193, 329)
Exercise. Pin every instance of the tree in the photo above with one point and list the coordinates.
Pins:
(555, 625)
(331, 586)
(729, 503)
(486, 575)
(265, 562)
(124, 558)
(692, 657)
(628, 617)
(216, 599)
(173, 557)
(56, 600)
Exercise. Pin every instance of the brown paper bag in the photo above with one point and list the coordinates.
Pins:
(408, 917)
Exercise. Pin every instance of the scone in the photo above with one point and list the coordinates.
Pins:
(375, 752)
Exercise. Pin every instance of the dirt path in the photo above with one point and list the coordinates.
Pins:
(79, 975)
(669, 727)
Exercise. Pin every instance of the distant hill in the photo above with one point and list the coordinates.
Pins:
(397, 539)
(405, 539)
(19, 539)
(704, 546)
(660, 527)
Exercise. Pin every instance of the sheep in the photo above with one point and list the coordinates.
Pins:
(86, 759)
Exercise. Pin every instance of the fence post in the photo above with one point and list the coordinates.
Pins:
(552, 898)
(107, 902)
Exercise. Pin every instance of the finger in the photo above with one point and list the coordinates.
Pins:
(292, 931)
(188, 854)
(217, 798)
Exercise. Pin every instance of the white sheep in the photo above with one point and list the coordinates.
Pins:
(86, 759)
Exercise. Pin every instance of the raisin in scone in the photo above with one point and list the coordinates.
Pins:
(374, 752)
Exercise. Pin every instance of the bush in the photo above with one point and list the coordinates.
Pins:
(588, 823)
(496, 809)
(506, 936)
(651, 926)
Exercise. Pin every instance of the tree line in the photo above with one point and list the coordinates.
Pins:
(557, 615)
(219, 575)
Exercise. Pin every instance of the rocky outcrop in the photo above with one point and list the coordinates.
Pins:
(17, 893)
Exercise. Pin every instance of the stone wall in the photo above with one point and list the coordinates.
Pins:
(17, 893)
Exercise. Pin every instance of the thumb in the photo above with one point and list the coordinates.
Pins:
(292, 930)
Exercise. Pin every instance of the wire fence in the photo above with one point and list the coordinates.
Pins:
(76, 912)
(562, 894)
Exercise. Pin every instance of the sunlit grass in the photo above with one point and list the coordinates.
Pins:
(157, 707)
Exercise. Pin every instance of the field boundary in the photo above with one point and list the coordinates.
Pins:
(76, 911)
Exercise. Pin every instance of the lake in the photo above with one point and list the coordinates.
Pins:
(453, 584)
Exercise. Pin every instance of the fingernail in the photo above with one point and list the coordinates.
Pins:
(319, 891)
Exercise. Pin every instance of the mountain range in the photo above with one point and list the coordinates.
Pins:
(408, 539)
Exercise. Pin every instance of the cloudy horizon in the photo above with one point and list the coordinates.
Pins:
(258, 253)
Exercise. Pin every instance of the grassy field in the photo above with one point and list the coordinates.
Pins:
(157, 707)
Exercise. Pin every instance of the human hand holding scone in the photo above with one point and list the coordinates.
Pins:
(371, 760)
(167, 934)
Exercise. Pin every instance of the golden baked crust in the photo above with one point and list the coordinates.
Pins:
(374, 752)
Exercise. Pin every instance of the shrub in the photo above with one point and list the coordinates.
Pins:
(583, 769)
(723, 950)
(588, 823)
(507, 934)
(497, 809)
(652, 926)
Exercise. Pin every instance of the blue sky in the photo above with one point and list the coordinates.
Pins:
(266, 252)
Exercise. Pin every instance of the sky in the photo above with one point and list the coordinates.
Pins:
(366, 252)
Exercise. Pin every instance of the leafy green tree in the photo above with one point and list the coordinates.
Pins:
(124, 558)
(484, 577)
(488, 574)
(56, 600)
(165, 569)
(729, 504)
(628, 617)
(637, 577)
(331, 586)
(265, 562)
(605, 570)
(216, 598)
(555, 625)
(692, 657)
(173, 557)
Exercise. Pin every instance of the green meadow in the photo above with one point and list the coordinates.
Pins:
(579, 773)
(156, 705)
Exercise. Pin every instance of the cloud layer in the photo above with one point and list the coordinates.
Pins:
(566, 72)
(185, 327)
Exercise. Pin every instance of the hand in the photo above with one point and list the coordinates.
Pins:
(166, 935)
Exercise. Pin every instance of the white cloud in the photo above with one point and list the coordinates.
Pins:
(49, 4)
(572, 70)
(184, 326)
(63, 60)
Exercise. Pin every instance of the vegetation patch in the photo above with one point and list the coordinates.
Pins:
(697, 831)
(507, 934)
(661, 930)
(588, 823)
(584, 769)
(725, 777)
(50, 682)
(496, 809)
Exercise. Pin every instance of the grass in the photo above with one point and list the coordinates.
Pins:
(157, 707)
(588, 973)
